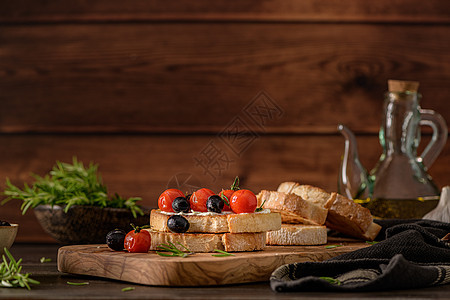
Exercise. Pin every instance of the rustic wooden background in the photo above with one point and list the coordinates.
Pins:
(146, 89)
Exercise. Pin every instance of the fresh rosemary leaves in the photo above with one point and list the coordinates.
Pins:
(44, 260)
(171, 248)
(332, 246)
(77, 283)
(331, 280)
(221, 253)
(10, 275)
(372, 242)
(69, 184)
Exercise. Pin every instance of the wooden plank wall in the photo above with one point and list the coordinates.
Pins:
(146, 88)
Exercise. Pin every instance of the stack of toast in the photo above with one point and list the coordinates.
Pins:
(209, 231)
(307, 211)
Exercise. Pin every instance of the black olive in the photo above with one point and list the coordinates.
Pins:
(4, 223)
(214, 204)
(178, 224)
(115, 239)
(181, 204)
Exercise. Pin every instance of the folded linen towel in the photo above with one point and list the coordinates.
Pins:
(409, 254)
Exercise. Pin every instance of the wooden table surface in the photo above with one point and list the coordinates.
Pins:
(54, 285)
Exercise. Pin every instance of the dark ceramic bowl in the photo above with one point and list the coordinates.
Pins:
(7, 236)
(86, 224)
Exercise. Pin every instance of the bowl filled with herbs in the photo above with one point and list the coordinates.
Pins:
(8, 234)
(73, 205)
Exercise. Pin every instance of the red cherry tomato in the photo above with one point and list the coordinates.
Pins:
(137, 240)
(199, 198)
(166, 198)
(227, 195)
(243, 201)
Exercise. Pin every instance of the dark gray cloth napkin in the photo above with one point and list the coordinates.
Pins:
(409, 254)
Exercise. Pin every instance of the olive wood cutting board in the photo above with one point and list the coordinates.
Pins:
(195, 270)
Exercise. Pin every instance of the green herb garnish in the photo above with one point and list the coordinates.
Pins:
(173, 250)
(44, 260)
(224, 198)
(332, 246)
(235, 185)
(222, 253)
(260, 208)
(128, 289)
(77, 283)
(138, 229)
(68, 185)
(372, 242)
(10, 275)
(331, 280)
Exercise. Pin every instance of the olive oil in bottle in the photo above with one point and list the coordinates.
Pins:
(402, 208)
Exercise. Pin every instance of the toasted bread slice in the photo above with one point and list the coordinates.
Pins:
(307, 192)
(213, 223)
(297, 234)
(350, 218)
(287, 187)
(312, 193)
(237, 242)
(293, 208)
(220, 223)
(255, 222)
(208, 242)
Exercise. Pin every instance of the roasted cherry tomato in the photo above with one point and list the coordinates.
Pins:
(137, 240)
(226, 196)
(199, 198)
(243, 201)
(166, 198)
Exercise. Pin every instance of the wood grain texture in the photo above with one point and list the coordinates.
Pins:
(54, 286)
(143, 87)
(196, 78)
(245, 10)
(200, 269)
(145, 165)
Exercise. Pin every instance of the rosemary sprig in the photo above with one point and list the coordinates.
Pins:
(372, 242)
(44, 260)
(173, 250)
(222, 253)
(77, 283)
(332, 246)
(67, 185)
(331, 280)
(10, 275)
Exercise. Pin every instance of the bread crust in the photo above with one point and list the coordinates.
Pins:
(209, 224)
(297, 234)
(221, 223)
(208, 242)
(312, 193)
(238, 242)
(287, 187)
(240, 223)
(293, 208)
(344, 215)
(348, 217)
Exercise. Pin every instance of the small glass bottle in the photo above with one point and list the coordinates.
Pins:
(401, 186)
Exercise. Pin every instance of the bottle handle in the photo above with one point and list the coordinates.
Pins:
(437, 123)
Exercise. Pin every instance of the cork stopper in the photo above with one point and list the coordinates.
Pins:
(400, 86)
